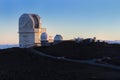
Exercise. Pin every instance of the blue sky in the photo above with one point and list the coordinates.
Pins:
(70, 18)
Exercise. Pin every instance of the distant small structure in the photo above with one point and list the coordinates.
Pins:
(50, 39)
(58, 38)
(89, 40)
(78, 40)
(44, 39)
(94, 39)
(44, 36)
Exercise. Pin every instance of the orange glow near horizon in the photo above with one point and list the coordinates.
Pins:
(16, 41)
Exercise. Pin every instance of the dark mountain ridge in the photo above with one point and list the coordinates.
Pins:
(83, 50)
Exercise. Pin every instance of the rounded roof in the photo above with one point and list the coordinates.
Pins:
(58, 37)
(44, 36)
(32, 20)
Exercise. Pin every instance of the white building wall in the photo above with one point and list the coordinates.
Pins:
(26, 40)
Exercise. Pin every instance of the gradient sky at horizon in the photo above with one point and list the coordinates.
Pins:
(70, 18)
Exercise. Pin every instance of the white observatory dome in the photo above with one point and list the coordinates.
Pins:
(44, 36)
(29, 20)
(58, 38)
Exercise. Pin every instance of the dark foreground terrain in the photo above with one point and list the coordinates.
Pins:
(21, 64)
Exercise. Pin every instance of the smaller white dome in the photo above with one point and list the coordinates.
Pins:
(58, 38)
(44, 36)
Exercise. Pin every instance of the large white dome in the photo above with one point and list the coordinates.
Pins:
(58, 37)
(29, 19)
(44, 36)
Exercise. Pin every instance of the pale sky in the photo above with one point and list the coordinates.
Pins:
(70, 18)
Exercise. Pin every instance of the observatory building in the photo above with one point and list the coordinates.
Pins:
(30, 30)
(58, 38)
(44, 39)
